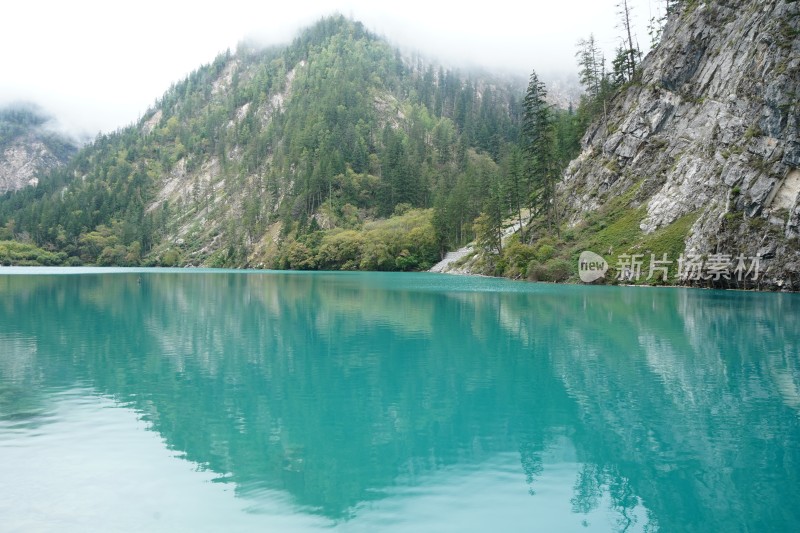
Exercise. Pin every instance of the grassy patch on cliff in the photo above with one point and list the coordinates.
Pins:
(612, 234)
(669, 240)
(622, 237)
(611, 231)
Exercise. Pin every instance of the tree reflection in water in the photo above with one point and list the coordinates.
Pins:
(334, 387)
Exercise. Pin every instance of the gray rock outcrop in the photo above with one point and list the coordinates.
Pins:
(29, 147)
(711, 127)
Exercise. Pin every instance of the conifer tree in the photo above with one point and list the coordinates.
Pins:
(630, 50)
(513, 178)
(537, 131)
(590, 63)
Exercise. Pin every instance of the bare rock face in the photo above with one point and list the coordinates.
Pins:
(710, 128)
(27, 148)
(22, 161)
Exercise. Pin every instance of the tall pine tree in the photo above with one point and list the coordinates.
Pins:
(591, 65)
(538, 138)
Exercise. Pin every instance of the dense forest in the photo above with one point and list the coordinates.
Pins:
(335, 152)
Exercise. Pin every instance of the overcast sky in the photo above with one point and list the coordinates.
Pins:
(98, 65)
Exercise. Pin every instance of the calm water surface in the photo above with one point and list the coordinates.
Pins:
(208, 401)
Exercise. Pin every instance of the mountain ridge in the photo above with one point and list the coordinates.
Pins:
(263, 147)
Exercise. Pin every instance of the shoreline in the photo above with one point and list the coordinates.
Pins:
(12, 270)
(634, 285)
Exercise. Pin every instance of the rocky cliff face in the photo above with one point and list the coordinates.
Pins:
(28, 148)
(711, 129)
(22, 161)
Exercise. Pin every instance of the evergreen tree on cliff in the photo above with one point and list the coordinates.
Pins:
(537, 131)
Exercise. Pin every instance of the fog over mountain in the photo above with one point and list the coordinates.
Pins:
(30, 144)
(98, 66)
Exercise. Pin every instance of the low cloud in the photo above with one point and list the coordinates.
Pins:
(95, 73)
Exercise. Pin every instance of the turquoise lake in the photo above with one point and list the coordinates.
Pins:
(175, 400)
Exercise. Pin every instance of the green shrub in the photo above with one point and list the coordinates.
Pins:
(171, 258)
(536, 271)
(545, 252)
(559, 269)
(516, 257)
(554, 270)
(24, 254)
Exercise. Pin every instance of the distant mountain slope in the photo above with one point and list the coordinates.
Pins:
(28, 148)
(256, 157)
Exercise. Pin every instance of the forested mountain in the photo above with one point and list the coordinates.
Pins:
(332, 152)
(338, 152)
(688, 172)
(28, 148)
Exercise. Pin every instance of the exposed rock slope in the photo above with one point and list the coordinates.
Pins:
(710, 128)
(27, 148)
